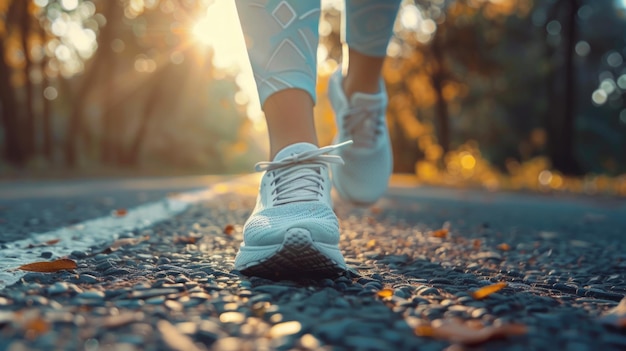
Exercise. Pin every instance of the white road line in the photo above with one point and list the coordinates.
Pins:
(96, 232)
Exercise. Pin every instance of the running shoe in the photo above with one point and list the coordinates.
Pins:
(293, 231)
(369, 161)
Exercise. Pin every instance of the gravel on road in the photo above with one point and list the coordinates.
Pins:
(415, 264)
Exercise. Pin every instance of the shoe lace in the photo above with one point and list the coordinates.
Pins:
(364, 125)
(298, 178)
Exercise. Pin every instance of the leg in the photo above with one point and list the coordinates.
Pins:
(368, 26)
(359, 100)
(282, 39)
(292, 231)
(289, 117)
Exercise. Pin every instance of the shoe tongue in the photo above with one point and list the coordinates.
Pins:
(294, 149)
(363, 99)
(301, 183)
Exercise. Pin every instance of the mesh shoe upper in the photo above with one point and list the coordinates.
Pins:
(365, 177)
(294, 193)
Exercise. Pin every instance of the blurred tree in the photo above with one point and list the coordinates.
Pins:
(103, 79)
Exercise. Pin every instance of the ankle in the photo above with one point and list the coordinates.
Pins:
(351, 85)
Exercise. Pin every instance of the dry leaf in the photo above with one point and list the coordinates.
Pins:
(52, 242)
(476, 244)
(371, 244)
(616, 316)
(460, 332)
(185, 240)
(488, 290)
(504, 247)
(36, 327)
(229, 229)
(120, 212)
(440, 233)
(49, 267)
(385, 293)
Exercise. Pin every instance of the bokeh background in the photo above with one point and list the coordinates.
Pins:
(501, 94)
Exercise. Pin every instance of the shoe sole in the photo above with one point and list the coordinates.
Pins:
(297, 257)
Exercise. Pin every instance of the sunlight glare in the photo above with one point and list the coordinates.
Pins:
(220, 29)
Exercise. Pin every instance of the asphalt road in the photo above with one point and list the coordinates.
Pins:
(563, 258)
(28, 207)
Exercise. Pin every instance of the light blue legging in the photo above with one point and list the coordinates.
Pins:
(282, 38)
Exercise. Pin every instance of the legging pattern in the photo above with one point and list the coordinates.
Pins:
(282, 38)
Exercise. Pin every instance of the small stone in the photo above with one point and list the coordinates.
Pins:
(46, 254)
(601, 294)
(310, 342)
(232, 317)
(58, 288)
(144, 294)
(440, 281)
(78, 254)
(174, 305)
(129, 303)
(478, 313)
(86, 279)
(157, 300)
(429, 291)
(114, 271)
(91, 295)
(285, 328)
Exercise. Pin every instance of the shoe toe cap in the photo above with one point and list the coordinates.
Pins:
(268, 227)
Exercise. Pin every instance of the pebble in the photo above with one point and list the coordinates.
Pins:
(91, 295)
(144, 294)
(58, 288)
(118, 299)
(232, 317)
(284, 329)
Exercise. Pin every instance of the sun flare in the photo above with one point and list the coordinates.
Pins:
(219, 28)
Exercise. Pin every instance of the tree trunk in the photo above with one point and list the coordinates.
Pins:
(75, 122)
(560, 119)
(441, 106)
(10, 114)
(132, 155)
(28, 131)
(46, 113)
(565, 159)
(109, 148)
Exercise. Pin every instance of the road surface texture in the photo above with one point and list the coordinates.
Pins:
(419, 260)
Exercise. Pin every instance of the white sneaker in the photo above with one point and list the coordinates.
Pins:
(293, 231)
(369, 161)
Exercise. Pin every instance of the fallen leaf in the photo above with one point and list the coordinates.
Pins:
(49, 267)
(476, 244)
(488, 290)
(466, 333)
(504, 247)
(385, 293)
(229, 229)
(52, 242)
(120, 212)
(36, 327)
(185, 240)
(371, 244)
(616, 316)
(440, 233)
